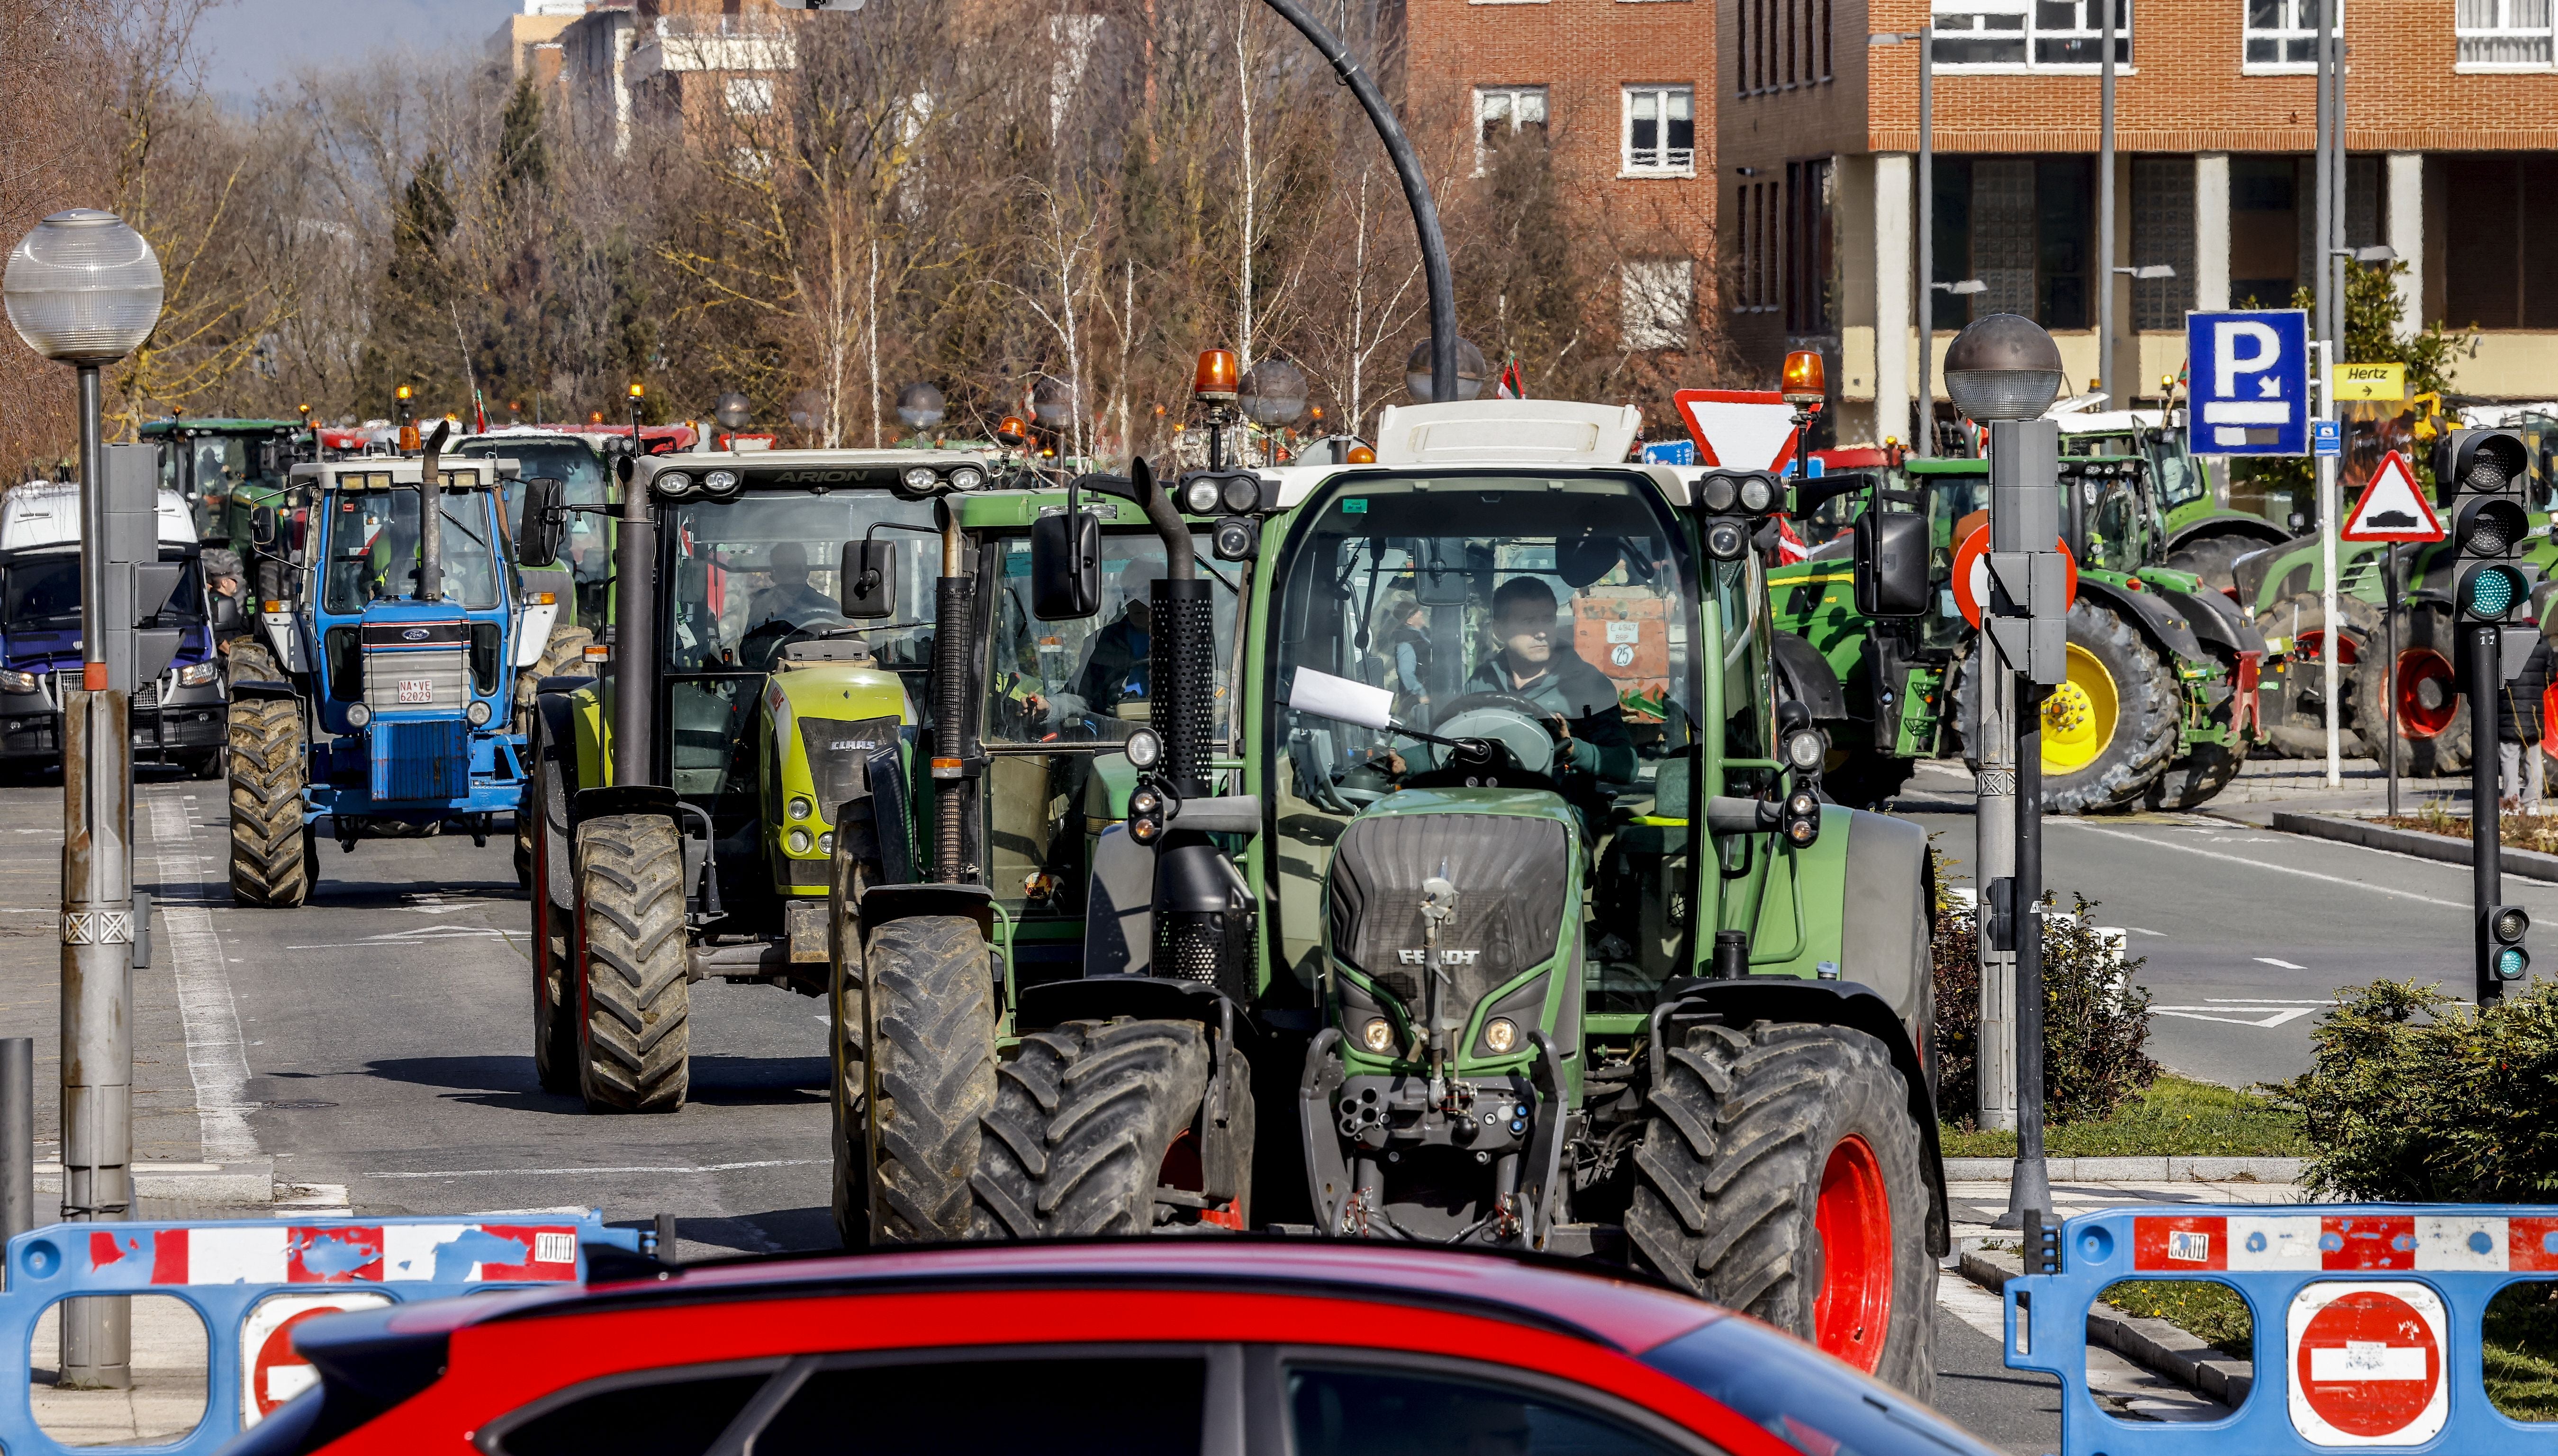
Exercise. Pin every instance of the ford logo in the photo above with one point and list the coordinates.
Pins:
(414, 634)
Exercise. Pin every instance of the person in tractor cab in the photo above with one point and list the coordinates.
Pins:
(789, 598)
(1121, 653)
(1531, 660)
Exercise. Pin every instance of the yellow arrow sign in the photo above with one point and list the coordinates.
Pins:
(2369, 382)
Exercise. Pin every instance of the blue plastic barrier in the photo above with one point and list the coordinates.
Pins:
(251, 1282)
(2365, 1317)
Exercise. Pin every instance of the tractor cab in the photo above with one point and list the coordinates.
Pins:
(585, 565)
(224, 469)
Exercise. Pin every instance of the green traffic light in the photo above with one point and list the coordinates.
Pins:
(2512, 963)
(2491, 593)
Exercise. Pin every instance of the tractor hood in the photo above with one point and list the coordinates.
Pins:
(824, 720)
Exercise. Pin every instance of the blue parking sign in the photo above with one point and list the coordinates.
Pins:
(2327, 437)
(2248, 379)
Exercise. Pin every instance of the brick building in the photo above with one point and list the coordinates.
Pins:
(631, 63)
(2451, 131)
(1621, 91)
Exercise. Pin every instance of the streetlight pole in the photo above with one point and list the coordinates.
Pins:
(85, 290)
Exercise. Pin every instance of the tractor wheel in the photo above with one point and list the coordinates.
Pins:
(848, 1090)
(251, 662)
(566, 650)
(271, 847)
(555, 1057)
(1780, 1176)
(2194, 779)
(2433, 713)
(929, 994)
(2299, 729)
(1088, 1121)
(2109, 729)
(1866, 779)
(2215, 559)
(633, 1042)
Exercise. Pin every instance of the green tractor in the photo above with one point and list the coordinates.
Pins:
(2157, 710)
(1474, 889)
(227, 470)
(782, 635)
(2205, 525)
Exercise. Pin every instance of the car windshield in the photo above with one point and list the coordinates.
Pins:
(225, 462)
(1086, 681)
(372, 544)
(42, 592)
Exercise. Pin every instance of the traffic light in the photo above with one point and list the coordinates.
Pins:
(2482, 479)
(2506, 925)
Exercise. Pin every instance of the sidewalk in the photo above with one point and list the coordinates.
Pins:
(2266, 783)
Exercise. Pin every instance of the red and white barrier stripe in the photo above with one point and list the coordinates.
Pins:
(271, 1253)
(2339, 1241)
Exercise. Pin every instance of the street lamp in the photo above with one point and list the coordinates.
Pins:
(2377, 253)
(1470, 371)
(1273, 394)
(920, 406)
(83, 289)
(734, 411)
(2003, 368)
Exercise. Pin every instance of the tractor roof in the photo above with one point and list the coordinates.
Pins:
(159, 427)
(798, 469)
(387, 471)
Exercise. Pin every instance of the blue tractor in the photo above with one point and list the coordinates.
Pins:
(377, 696)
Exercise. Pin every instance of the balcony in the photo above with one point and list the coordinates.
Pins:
(713, 43)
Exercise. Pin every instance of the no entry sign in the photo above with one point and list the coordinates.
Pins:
(270, 1372)
(1971, 586)
(2367, 1363)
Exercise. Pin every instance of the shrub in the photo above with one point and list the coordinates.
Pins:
(2095, 1022)
(2412, 1097)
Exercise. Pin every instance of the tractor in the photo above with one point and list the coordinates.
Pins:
(225, 469)
(784, 625)
(375, 696)
(2203, 526)
(2157, 710)
(1476, 889)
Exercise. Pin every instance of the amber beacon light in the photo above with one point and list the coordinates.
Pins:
(1804, 381)
(1220, 377)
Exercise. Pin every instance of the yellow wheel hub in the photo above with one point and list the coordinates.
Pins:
(2079, 718)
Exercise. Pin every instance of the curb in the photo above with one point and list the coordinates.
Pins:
(240, 1184)
(2527, 864)
(2152, 1344)
(2134, 1170)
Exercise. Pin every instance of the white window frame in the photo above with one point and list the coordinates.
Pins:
(2297, 28)
(2023, 15)
(1514, 95)
(1645, 289)
(2506, 28)
(1627, 164)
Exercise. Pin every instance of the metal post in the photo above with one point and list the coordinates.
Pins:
(1994, 847)
(635, 634)
(2389, 667)
(2331, 247)
(2030, 1185)
(2105, 221)
(953, 602)
(98, 935)
(2486, 805)
(1925, 443)
(17, 1137)
(2328, 524)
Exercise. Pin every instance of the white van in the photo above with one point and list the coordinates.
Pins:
(47, 513)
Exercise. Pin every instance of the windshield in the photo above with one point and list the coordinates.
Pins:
(753, 573)
(2179, 477)
(1566, 636)
(228, 462)
(1086, 681)
(45, 592)
(373, 544)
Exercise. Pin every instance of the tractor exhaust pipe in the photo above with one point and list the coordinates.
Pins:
(954, 600)
(430, 515)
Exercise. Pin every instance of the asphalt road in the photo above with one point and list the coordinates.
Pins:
(2245, 935)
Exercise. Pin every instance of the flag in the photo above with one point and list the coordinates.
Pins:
(478, 414)
(1789, 546)
(1511, 386)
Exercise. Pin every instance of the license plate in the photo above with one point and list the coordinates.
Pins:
(417, 690)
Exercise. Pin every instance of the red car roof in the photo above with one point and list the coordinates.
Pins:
(1629, 1316)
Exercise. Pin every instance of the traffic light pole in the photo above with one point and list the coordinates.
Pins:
(2487, 817)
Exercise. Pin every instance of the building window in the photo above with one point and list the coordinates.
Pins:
(2504, 35)
(751, 96)
(1808, 287)
(1779, 45)
(2282, 35)
(1755, 220)
(2033, 35)
(1660, 131)
(1504, 112)
(1658, 296)
(2162, 233)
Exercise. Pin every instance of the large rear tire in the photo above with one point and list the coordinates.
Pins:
(634, 1041)
(2297, 726)
(1866, 778)
(555, 1055)
(1085, 1117)
(928, 995)
(270, 851)
(2214, 559)
(2433, 738)
(1780, 1176)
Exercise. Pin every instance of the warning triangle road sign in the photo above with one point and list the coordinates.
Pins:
(2392, 508)
(1739, 428)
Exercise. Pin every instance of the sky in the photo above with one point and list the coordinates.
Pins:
(256, 42)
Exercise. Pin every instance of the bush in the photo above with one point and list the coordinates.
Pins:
(2095, 1022)
(2412, 1097)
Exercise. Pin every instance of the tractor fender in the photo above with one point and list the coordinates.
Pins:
(1144, 998)
(2250, 528)
(882, 903)
(2167, 625)
(612, 799)
(261, 688)
(1814, 684)
(1826, 1003)
(1119, 907)
(553, 735)
(2216, 619)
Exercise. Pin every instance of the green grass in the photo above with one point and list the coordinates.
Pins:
(2177, 1116)
(2206, 1309)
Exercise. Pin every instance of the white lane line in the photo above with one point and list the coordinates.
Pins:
(2367, 888)
(215, 1061)
(2272, 1020)
(2286, 964)
(788, 1162)
(2144, 930)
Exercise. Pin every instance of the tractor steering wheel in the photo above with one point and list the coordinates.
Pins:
(757, 648)
(1521, 730)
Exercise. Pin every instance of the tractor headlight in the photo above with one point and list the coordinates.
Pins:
(1144, 749)
(1500, 1034)
(922, 478)
(358, 715)
(1243, 494)
(1199, 495)
(1145, 801)
(478, 713)
(720, 483)
(1377, 1036)
(1804, 751)
(1756, 494)
(967, 478)
(1725, 539)
(801, 808)
(1717, 492)
(194, 675)
(673, 484)
(826, 844)
(799, 842)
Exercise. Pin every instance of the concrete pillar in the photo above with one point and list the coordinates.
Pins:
(2211, 231)
(2406, 222)
(1895, 235)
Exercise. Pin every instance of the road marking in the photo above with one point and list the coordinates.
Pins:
(2143, 930)
(215, 1061)
(2269, 1001)
(2367, 888)
(788, 1162)
(423, 934)
(2286, 964)
(2200, 1013)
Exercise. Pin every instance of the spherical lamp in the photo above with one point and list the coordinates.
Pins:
(922, 406)
(2003, 367)
(83, 288)
(1273, 393)
(1471, 371)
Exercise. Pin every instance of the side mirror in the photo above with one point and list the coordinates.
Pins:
(227, 612)
(537, 543)
(1892, 563)
(1066, 565)
(261, 525)
(866, 579)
